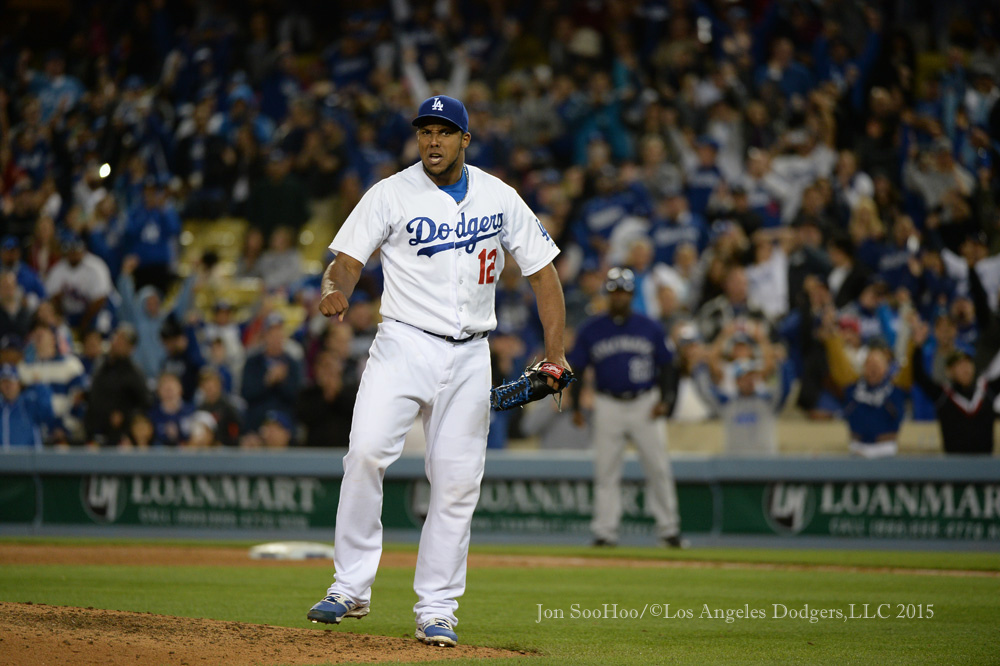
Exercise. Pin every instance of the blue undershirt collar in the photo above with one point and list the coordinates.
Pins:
(458, 190)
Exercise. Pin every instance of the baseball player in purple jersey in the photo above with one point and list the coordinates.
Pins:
(442, 227)
(630, 359)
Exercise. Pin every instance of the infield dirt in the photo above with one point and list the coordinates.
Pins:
(38, 634)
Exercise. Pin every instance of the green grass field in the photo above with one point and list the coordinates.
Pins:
(501, 606)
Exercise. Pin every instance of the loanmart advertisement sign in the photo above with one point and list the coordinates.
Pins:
(302, 502)
(931, 510)
(221, 502)
(875, 510)
(521, 506)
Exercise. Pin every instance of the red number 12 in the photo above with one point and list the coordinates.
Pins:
(486, 272)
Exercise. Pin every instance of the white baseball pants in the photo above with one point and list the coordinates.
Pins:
(614, 420)
(408, 373)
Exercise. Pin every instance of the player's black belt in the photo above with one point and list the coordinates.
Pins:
(625, 395)
(448, 338)
(458, 341)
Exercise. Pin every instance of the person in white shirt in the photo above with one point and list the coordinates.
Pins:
(80, 284)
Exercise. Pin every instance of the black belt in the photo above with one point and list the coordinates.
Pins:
(626, 395)
(448, 338)
(457, 341)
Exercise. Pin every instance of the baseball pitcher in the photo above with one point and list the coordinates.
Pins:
(442, 227)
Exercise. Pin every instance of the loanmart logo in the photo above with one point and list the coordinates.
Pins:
(788, 507)
(104, 498)
(202, 501)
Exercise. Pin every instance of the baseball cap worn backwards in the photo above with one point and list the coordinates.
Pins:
(445, 108)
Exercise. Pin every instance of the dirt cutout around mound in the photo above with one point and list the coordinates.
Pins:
(33, 634)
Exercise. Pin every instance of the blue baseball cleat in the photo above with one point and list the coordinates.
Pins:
(335, 607)
(437, 632)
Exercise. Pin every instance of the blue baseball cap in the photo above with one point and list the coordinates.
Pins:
(279, 417)
(8, 371)
(443, 107)
(10, 242)
(69, 241)
(706, 140)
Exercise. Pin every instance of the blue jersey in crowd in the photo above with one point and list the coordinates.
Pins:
(171, 429)
(873, 411)
(28, 279)
(22, 419)
(601, 214)
(667, 235)
(701, 182)
(625, 354)
(893, 266)
(150, 234)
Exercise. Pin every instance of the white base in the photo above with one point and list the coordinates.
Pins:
(292, 550)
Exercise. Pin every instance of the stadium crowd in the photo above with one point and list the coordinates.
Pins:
(806, 192)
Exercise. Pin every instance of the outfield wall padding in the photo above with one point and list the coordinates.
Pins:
(524, 493)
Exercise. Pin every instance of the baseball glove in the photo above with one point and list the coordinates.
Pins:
(531, 386)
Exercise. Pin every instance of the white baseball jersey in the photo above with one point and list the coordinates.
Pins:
(442, 259)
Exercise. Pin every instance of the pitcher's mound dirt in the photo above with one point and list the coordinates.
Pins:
(40, 634)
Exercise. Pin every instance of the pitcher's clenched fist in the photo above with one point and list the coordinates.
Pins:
(339, 280)
(334, 304)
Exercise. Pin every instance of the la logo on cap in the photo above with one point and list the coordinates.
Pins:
(437, 105)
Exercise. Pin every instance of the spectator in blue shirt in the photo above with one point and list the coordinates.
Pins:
(676, 225)
(27, 279)
(151, 235)
(704, 177)
(22, 413)
(792, 78)
(271, 377)
(57, 91)
(874, 399)
(601, 213)
(171, 415)
(144, 311)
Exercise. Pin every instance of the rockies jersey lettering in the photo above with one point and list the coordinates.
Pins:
(622, 344)
(439, 256)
